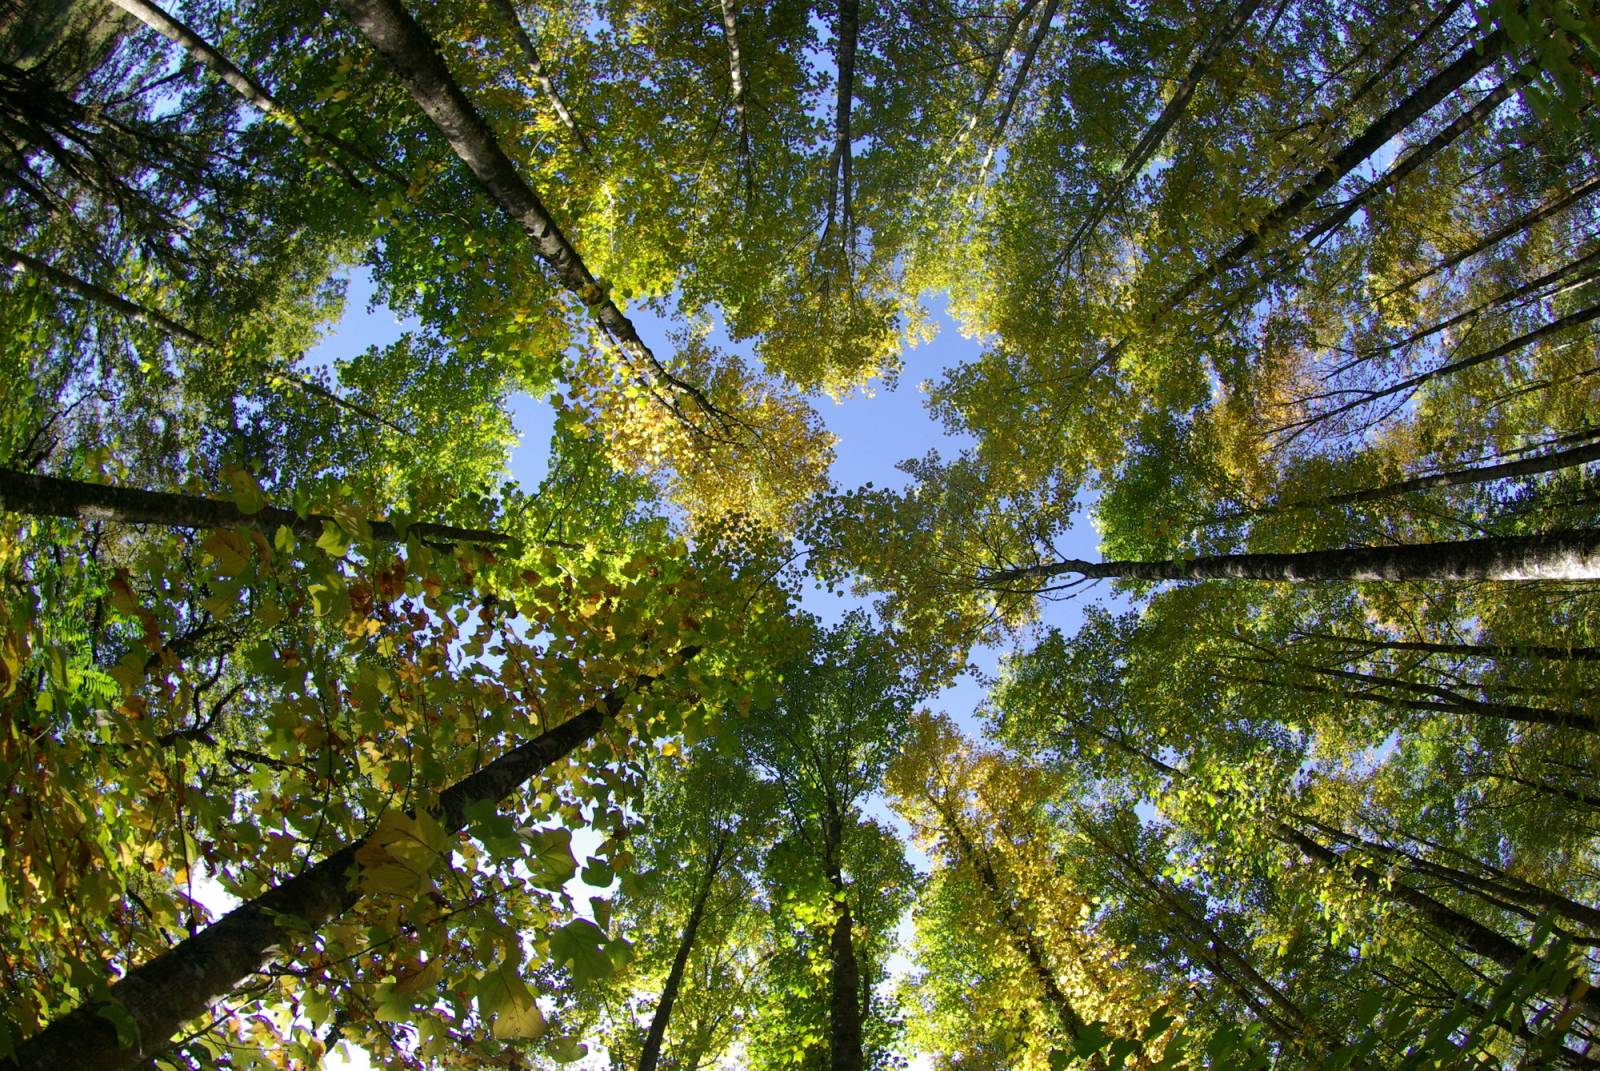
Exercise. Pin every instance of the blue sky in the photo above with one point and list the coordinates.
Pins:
(875, 432)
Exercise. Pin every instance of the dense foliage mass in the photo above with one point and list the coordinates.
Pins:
(319, 734)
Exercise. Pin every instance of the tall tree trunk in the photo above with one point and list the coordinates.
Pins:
(179, 985)
(415, 60)
(844, 1019)
(1468, 932)
(1512, 345)
(1570, 795)
(1464, 477)
(730, 33)
(50, 496)
(1468, 882)
(1153, 136)
(1471, 650)
(1017, 84)
(650, 1054)
(1563, 555)
(1498, 235)
(840, 196)
(1291, 1012)
(1378, 133)
(508, 14)
(144, 314)
(1022, 937)
(240, 82)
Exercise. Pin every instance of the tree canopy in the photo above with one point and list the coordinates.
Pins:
(325, 738)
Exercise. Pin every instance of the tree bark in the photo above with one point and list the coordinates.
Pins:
(51, 496)
(1562, 555)
(650, 1054)
(846, 29)
(1468, 882)
(844, 1019)
(241, 83)
(1465, 477)
(1152, 138)
(1378, 133)
(100, 295)
(530, 52)
(1471, 934)
(1527, 338)
(1498, 235)
(179, 985)
(415, 60)
(1470, 650)
(730, 32)
(1022, 938)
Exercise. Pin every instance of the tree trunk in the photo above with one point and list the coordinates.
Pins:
(650, 1054)
(1471, 650)
(1355, 152)
(1468, 882)
(1496, 236)
(1022, 938)
(1466, 477)
(1017, 83)
(1152, 138)
(415, 60)
(1291, 1011)
(240, 82)
(730, 32)
(844, 1019)
(179, 985)
(530, 52)
(1564, 555)
(111, 299)
(1471, 934)
(846, 29)
(1527, 338)
(50, 496)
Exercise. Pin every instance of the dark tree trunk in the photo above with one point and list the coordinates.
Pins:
(1510, 346)
(1470, 650)
(844, 1018)
(1466, 477)
(179, 985)
(650, 1054)
(1355, 152)
(415, 60)
(143, 314)
(1565, 555)
(1468, 932)
(1152, 138)
(50, 496)
(530, 52)
(1022, 937)
(237, 80)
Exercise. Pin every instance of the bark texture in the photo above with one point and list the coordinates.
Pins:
(844, 1019)
(415, 60)
(1563, 555)
(650, 1054)
(179, 985)
(51, 496)
(530, 52)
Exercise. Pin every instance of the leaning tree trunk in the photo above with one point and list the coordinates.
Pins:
(415, 60)
(51, 496)
(530, 52)
(1471, 934)
(844, 1019)
(241, 83)
(650, 1054)
(1564, 555)
(179, 985)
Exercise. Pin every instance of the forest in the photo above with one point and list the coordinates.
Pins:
(325, 742)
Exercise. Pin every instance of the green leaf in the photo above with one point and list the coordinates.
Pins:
(508, 1005)
(580, 946)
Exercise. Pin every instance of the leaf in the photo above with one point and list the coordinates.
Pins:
(505, 1001)
(580, 946)
(118, 1016)
(246, 491)
(333, 541)
(400, 852)
(550, 860)
(567, 1050)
